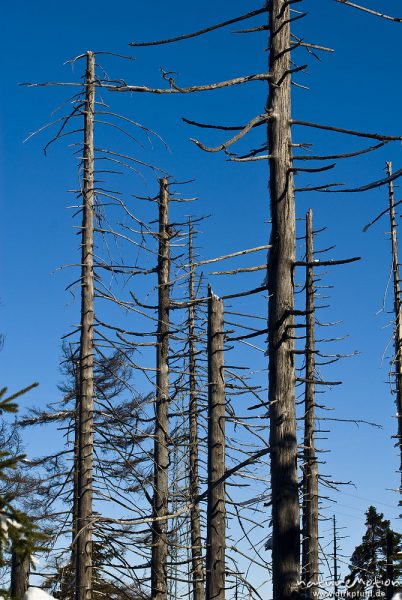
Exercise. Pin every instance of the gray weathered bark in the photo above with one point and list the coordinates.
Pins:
(86, 366)
(310, 466)
(335, 567)
(398, 315)
(283, 442)
(76, 371)
(216, 512)
(161, 445)
(20, 565)
(196, 539)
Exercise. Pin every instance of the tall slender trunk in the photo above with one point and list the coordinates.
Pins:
(398, 315)
(335, 567)
(74, 511)
(310, 466)
(86, 400)
(161, 448)
(174, 525)
(283, 442)
(216, 512)
(196, 539)
(20, 565)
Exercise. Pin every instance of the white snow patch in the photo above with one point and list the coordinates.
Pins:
(34, 593)
(6, 522)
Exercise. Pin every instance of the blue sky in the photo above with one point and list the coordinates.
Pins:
(359, 86)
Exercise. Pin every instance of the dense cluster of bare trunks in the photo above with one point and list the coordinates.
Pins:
(173, 528)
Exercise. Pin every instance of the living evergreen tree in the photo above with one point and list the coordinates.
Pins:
(10, 518)
(18, 534)
(376, 563)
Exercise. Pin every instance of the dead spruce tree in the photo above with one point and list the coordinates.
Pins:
(396, 363)
(278, 150)
(310, 569)
(335, 558)
(85, 379)
(216, 514)
(283, 437)
(194, 483)
(86, 358)
(161, 451)
(314, 359)
(398, 316)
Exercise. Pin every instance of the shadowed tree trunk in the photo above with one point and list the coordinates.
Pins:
(161, 448)
(283, 442)
(75, 502)
(196, 540)
(76, 372)
(86, 365)
(20, 564)
(310, 467)
(216, 513)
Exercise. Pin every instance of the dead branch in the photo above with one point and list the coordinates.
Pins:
(257, 120)
(370, 11)
(340, 156)
(201, 31)
(374, 136)
(174, 89)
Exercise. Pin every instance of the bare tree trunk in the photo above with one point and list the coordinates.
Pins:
(196, 539)
(310, 467)
(161, 448)
(335, 569)
(75, 495)
(76, 371)
(283, 441)
(20, 565)
(86, 400)
(398, 315)
(216, 512)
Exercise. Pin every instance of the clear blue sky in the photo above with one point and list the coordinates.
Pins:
(359, 86)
